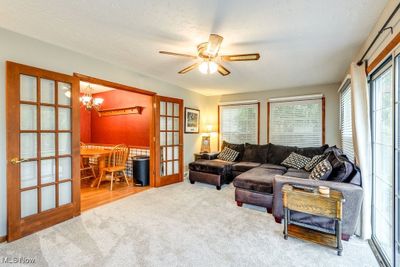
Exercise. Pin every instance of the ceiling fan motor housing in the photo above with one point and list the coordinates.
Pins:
(202, 51)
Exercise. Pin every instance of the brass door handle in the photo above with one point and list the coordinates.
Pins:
(16, 161)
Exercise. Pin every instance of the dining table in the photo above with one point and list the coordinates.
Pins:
(100, 154)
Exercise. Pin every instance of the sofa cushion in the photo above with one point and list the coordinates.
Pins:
(238, 147)
(337, 151)
(244, 166)
(215, 166)
(228, 154)
(341, 167)
(321, 171)
(274, 166)
(314, 161)
(255, 153)
(278, 153)
(311, 151)
(292, 172)
(296, 161)
(257, 179)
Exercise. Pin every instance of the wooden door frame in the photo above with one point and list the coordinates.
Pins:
(29, 225)
(157, 161)
(89, 79)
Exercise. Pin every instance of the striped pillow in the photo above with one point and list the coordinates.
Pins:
(228, 154)
(314, 161)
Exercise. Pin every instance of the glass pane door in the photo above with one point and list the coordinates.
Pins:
(44, 125)
(40, 140)
(397, 163)
(383, 161)
(170, 130)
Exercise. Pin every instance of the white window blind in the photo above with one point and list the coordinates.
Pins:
(346, 130)
(239, 123)
(296, 122)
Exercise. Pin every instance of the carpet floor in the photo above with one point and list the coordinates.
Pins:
(178, 225)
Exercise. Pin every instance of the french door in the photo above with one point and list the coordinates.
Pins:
(42, 149)
(169, 140)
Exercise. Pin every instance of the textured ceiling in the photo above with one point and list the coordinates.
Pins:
(301, 42)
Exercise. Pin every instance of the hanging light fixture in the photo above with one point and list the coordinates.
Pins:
(90, 102)
(208, 67)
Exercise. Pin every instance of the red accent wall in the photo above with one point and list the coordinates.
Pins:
(86, 132)
(132, 129)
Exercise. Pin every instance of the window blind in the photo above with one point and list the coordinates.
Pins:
(239, 123)
(346, 130)
(296, 122)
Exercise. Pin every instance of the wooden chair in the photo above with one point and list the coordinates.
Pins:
(116, 163)
(85, 166)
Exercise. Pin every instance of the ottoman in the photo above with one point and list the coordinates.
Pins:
(216, 172)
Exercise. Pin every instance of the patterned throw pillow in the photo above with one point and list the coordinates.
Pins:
(314, 161)
(296, 161)
(228, 154)
(321, 171)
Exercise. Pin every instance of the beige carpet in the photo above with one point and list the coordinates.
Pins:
(178, 225)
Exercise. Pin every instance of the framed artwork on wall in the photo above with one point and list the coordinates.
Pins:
(192, 120)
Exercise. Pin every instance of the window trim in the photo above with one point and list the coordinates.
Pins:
(385, 65)
(238, 104)
(323, 122)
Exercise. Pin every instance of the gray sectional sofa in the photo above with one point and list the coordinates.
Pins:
(258, 177)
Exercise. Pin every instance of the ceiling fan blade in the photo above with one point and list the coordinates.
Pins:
(214, 44)
(242, 57)
(187, 69)
(177, 54)
(222, 70)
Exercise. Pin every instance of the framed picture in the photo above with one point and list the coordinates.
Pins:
(192, 120)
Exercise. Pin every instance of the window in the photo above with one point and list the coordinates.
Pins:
(239, 123)
(296, 121)
(383, 161)
(346, 130)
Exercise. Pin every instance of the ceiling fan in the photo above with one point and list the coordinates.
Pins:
(207, 52)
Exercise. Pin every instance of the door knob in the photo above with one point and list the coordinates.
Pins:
(17, 160)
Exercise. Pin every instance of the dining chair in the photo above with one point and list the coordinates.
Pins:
(86, 166)
(116, 163)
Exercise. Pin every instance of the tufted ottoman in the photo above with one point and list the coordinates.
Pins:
(216, 172)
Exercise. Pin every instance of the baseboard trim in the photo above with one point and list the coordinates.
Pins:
(3, 239)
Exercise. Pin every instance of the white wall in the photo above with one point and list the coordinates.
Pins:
(385, 37)
(25, 50)
(332, 108)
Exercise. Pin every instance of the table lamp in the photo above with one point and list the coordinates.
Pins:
(206, 140)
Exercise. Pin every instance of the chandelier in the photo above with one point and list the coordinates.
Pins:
(90, 102)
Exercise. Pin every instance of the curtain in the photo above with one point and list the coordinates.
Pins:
(362, 141)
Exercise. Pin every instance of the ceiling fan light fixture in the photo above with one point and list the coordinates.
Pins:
(208, 67)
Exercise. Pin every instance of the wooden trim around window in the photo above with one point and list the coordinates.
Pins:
(258, 120)
(384, 53)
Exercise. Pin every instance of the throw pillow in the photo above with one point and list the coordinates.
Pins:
(341, 167)
(314, 161)
(228, 154)
(237, 147)
(321, 171)
(296, 161)
(278, 153)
